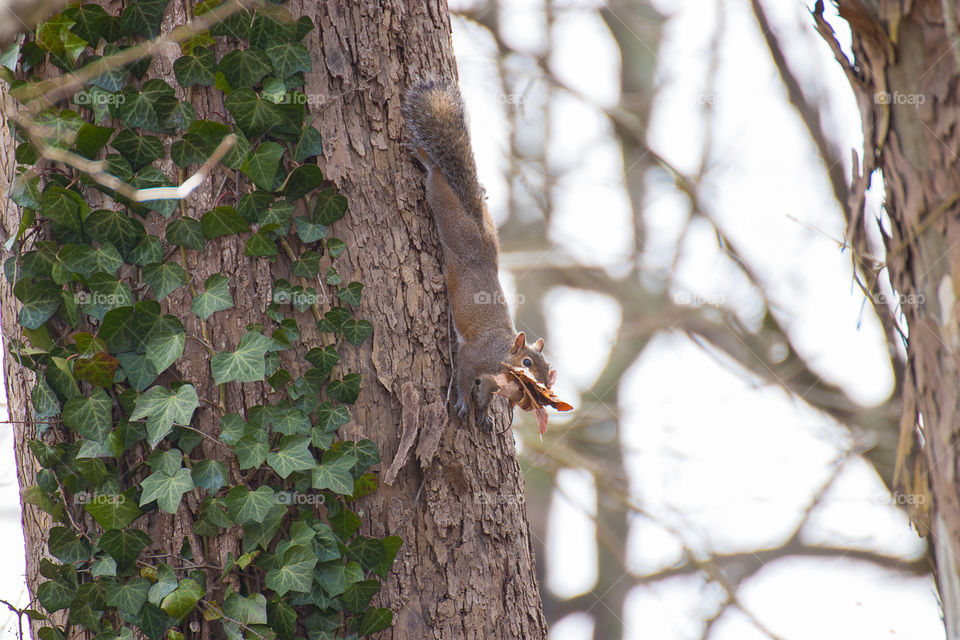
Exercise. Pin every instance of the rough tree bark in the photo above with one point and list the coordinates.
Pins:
(905, 75)
(466, 568)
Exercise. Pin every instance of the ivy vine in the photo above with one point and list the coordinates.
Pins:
(111, 419)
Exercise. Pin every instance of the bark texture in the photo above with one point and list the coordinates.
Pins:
(905, 76)
(466, 568)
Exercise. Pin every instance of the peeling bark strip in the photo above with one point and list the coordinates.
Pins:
(466, 568)
(905, 78)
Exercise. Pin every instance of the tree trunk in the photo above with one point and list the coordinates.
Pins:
(466, 568)
(904, 75)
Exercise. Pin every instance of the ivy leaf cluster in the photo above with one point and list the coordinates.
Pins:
(115, 436)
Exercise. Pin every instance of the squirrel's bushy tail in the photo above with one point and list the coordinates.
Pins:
(437, 120)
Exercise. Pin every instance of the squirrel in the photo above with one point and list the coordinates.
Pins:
(487, 339)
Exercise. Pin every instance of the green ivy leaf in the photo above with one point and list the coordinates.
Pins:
(113, 511)
(308, 266)
(351, 293)
(289, 58)
(165, 488)
(209, 475)
(180, 117)
(272, 25)
(334, 474)
(259, 244)
(125, 545)
(330, 207)
(186, 232)
(216, 297)
(166, 346)
(90, 139)
(137, 110)
(65, 546)
(290, 421)
(103, 566)
(59, 126)
(116, 228)
(129, 598)
(291, 455)
(199, 68)
(139, 369)
(139, 150)
(191, 149)
(182, 602)
(346, 390)
(310, 145)
(309, 231)
(254, 115)
(164, 278)
(222, 221)
(249, 610)
(163, 407)
(143, 18)
(278, 213)
(91, 416)
(40, 301)
(55, 595)
(357, 596)
(335, 576)
(336, 246)
(302, 181)
(87, 260)
(253, 206)
(252, 448)
(44, 400)
(245, 506)
(90, 21)
(375, 620)
(323, 358)
(262, 166)
(148, 250)
(356, 331)
(166, 583)
(295, 573)
(246, 363)
(244, 68)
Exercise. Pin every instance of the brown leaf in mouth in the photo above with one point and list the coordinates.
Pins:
(521, 389)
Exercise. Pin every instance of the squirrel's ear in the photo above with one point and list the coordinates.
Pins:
(519, 343)
(538, 345)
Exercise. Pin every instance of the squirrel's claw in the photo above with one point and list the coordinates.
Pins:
(461, 407)
(484, 422)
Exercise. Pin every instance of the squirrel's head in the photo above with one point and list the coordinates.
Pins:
(530, 357)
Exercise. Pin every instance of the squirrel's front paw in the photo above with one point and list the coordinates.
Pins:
(461, 407)
(485, 422)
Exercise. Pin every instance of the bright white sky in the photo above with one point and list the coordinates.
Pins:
(712, 453)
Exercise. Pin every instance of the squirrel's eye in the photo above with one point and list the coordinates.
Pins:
(527, 362)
